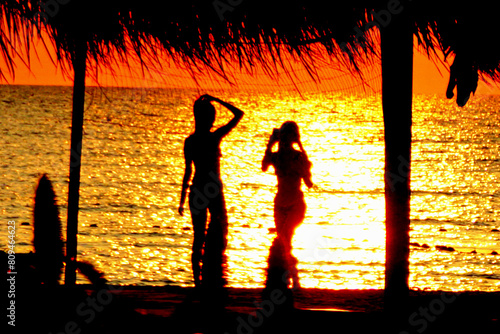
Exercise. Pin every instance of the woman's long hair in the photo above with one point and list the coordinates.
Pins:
(289, 131)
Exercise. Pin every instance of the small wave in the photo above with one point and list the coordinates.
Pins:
(451, 193)
(23, 244)
(253, 185)
(378, 191)
(485, 276)
(432, 221)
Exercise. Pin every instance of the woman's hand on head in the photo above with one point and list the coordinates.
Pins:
(209, 98)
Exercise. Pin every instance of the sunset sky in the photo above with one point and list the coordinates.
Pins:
(429, 77)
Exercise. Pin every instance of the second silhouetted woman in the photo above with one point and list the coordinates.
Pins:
(291, 167)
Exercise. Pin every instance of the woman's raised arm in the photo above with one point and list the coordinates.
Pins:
(238, 115)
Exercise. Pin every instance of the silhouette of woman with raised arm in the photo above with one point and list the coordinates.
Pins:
(291, 167)
(202, 148)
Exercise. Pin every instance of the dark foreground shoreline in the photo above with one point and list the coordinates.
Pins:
(172, 309)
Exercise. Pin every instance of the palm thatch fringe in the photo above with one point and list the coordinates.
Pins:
(208, 35)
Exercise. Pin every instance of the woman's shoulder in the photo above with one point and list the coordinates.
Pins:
(302, 159)
(272, 156)
(299, 155)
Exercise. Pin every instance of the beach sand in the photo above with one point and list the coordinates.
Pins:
(163, 301)
(171, 309)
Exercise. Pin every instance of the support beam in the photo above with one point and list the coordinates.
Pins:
(397, 74)
(79, 67)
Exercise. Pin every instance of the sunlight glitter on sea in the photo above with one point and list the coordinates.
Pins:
(132, 170)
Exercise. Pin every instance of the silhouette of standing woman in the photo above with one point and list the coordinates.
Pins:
(291, 167)
(202, 148)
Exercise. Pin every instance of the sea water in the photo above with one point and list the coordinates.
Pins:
(132, 168)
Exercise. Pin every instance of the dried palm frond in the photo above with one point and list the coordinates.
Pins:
(91, 273)
(47, 237)
(14, 35)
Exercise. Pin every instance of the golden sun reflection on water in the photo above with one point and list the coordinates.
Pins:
(133, 165)
(343, 229)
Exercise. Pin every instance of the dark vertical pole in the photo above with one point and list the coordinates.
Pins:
(79, 67)
(397, 74)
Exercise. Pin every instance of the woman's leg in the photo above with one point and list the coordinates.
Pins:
(278, 275)
(287, 219)
(199, 219)
(214, 258)
(296, 218)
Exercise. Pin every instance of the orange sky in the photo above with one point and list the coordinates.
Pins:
(427, 77)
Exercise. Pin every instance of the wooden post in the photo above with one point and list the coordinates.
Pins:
(79, 67)
(397, 75)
